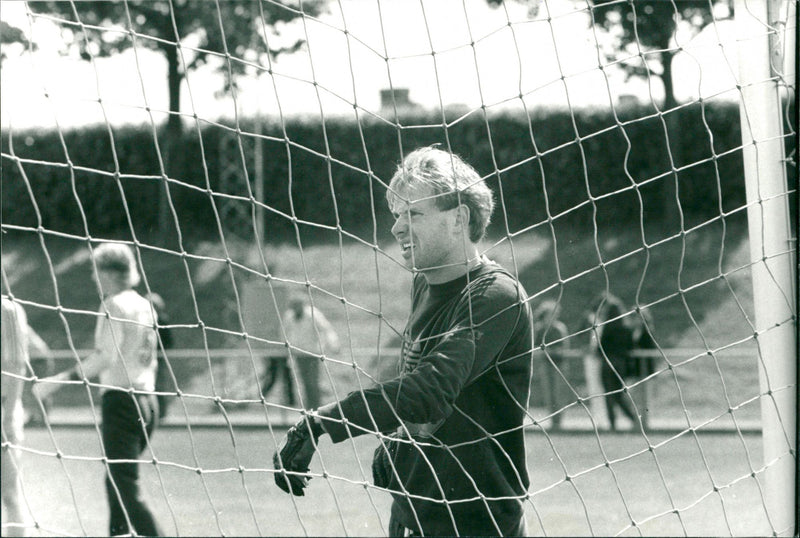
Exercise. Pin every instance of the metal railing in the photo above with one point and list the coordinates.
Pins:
(576, 367)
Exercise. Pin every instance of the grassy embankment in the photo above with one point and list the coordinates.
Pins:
(696, 287)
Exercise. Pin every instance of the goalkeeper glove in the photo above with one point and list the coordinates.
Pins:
(295, 454)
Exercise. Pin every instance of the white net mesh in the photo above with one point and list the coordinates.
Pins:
(255, 173)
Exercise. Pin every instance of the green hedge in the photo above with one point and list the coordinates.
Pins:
(554, 160)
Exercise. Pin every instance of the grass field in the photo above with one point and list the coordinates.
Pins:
(667, 492)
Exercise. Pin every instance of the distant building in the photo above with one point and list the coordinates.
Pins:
(397, 97)
(627, 99)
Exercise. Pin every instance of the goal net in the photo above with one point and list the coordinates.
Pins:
(638, 155)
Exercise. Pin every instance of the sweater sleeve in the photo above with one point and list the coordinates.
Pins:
(479, 330)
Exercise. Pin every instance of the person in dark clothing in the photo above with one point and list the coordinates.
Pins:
(278, 367)
(616, 343)
(643, 366)
(642, 362)
(452, 450)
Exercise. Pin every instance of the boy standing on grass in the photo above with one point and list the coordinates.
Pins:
(124, 357)
(454, 458)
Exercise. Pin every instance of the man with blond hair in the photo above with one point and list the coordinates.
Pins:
(452, 450)
(124, 357)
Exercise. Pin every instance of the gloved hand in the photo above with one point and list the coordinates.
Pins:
(295, 454)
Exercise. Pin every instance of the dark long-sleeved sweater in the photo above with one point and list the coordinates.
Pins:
(461, 396)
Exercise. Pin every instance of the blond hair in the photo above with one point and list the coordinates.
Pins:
(452, 182)
(117, 258)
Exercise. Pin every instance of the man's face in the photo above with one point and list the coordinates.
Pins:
(429, 237)
(107, 281)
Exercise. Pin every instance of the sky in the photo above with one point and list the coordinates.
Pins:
(550, 57)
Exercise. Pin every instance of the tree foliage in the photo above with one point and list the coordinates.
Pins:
(329, 193)
(642, 33)
(189, 33)
(239, 30)
(10, 35)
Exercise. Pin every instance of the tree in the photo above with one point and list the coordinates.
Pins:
(214, 29)
(640, 41)
(10, 35)
(642, 34)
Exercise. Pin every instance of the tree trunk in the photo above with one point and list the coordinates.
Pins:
(173, 161)
(666, 78)
(670, 214)
(174, 79)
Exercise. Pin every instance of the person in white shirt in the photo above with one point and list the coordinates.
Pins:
(311, 336)
(14, 363)
(124, 357)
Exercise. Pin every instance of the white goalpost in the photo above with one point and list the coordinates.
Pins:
(772, 247)
(642, 157)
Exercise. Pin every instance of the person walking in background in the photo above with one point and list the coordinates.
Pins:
(643, 364)
(277, 367)
(643, 340)
(15, 362)
(124, 357)
(550, 328)
(454, 458)
(311, 336)
(616, 344)
(164, 375)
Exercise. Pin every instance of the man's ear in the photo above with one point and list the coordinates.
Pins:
(462, 218)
